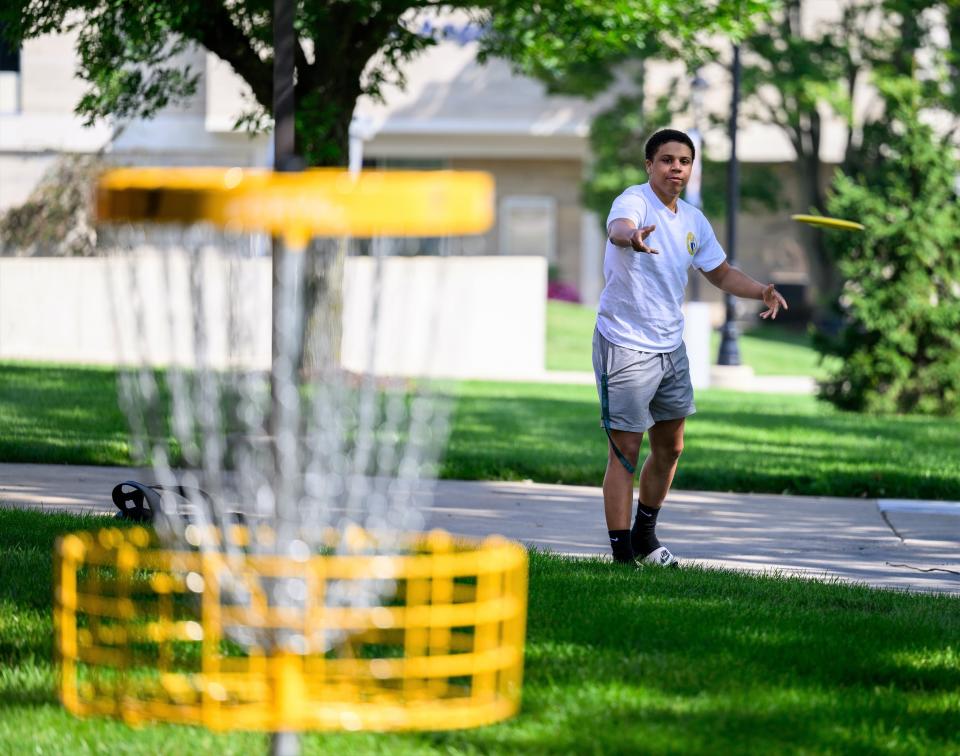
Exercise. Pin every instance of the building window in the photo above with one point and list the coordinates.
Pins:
(9, 76)
(528, 226)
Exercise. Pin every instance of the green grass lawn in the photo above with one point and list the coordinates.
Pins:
(550, 433)
(659, 661)
(569, 336)
(735, 442)
(769, 349)
(55, 413)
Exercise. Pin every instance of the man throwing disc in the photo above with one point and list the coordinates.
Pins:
(643, 376)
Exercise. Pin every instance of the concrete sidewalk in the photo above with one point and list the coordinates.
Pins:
(884, 543)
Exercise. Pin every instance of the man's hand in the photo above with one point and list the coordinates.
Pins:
(727, 278)
(637, 240)
(772, 299)
(623, 232)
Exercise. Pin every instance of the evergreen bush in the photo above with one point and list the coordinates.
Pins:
(899, 334)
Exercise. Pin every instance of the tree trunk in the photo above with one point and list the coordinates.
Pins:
(823, 275)
(323, 124)
(823, 271)
(806, 141)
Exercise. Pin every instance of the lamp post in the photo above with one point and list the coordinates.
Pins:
(694, 187)
(729, 349)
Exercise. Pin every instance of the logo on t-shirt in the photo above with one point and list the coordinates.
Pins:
(691, 243)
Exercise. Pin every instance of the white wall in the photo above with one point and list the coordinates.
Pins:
(465, 317)
(478, 317)
(696, 338)
(592, 245)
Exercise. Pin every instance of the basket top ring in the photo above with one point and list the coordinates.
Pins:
(302, 205)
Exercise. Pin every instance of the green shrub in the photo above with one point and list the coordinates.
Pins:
(899, 337)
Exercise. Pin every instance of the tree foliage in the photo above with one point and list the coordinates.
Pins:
(576, 46)
(617, 139)
(129, 51)
(129, 55)
(583, 47)
(795, 72)
(789, 77)
(795, 75)
(900, 306)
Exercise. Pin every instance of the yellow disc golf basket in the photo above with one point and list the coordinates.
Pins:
(299, 206)
(151, 631)
(144, 633)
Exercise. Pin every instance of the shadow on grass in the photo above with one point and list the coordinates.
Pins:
(620, 661)
(551, 433)
(741, 657)
(61, 414)
(779, 450)
(698, 661)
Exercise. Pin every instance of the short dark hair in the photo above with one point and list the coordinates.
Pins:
(667, 135)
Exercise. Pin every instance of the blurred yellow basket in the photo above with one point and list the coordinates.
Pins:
(144, 633)
(298, 206)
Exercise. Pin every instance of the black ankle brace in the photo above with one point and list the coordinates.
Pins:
(643, 537)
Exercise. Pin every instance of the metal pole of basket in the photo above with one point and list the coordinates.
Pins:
(284, 133)
(284, 141)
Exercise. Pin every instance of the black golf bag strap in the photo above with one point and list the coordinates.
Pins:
(137, 501)
(605, 414)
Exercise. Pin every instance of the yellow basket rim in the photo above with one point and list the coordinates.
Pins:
(301, 205)
(456, 554)
(446, 656)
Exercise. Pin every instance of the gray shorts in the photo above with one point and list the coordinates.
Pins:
(642, 388)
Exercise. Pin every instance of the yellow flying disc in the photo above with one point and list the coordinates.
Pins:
(821, 220)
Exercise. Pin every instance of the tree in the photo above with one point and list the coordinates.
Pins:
(792, 78)
(347, 48)
(584, 55)
(576, 46)
(786, 78)
(128, 55)
(617, 140)
(900, 338)
(344, 49)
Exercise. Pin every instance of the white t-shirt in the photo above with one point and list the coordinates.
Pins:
(641, 304)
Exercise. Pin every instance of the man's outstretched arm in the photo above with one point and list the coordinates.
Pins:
(623, 232)
(733, 281)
